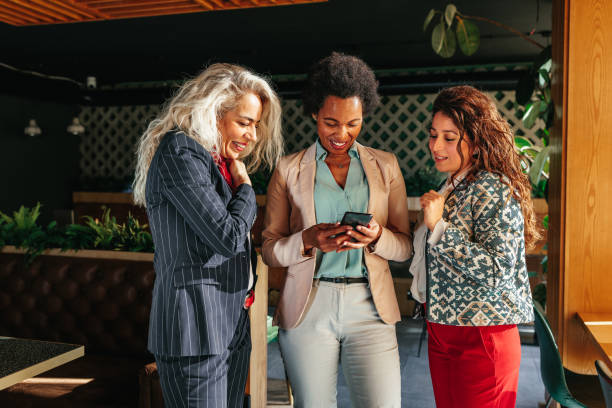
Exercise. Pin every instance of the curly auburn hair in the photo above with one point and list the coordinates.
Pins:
(343, 76)
(491, 144)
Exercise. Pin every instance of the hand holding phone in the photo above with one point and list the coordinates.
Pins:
(355, 218)
(370, 230)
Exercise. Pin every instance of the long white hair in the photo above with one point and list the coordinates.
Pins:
(196, 109)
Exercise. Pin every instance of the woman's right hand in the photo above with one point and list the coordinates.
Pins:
(238, 172)
(433, 208)
(326, 237)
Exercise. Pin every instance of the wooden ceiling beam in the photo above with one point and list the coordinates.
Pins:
(34, 12)
(79, 8)
(149, 11)
(40, 10)
(161, 12)
(42, 18)
(9, 18)
(101, 4)
(47, 4)
(17, 16)
(219, 3)
(206, 4)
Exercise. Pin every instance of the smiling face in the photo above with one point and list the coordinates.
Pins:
(443, 140)
(238, 127)
(338, 123)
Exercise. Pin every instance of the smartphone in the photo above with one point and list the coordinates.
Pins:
(355, 218)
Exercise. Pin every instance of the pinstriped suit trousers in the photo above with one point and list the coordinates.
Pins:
(341, 324)
(211, 381)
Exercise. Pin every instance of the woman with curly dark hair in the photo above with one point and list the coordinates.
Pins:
(338, 302)
(477, 227)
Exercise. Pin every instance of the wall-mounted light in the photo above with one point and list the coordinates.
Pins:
(75, 127)
(32, 129)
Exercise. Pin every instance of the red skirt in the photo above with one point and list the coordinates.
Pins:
(474, 366)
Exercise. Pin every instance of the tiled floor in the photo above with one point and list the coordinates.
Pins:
(417, 391)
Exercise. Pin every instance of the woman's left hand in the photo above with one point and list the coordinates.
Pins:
(363, 236)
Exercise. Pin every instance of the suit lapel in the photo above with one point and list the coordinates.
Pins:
(375, 182)
(306, 180)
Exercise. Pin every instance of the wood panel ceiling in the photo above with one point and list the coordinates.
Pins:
(39, 12)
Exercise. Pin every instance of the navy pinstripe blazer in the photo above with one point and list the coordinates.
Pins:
(200, 231)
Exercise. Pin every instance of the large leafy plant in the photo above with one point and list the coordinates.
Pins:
(536, 162)
(106, 233)
(455, 28)
(23, 231)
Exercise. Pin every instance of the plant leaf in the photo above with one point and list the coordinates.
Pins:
(468, 36)
(437, 38)
(449, 14)
(543, 77)
(449, 45)
(546, 66)
(522, 142)
(428, 19)
(531, 114)
(535, 172)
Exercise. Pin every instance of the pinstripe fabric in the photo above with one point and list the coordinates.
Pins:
(202, 271)
(202, 381)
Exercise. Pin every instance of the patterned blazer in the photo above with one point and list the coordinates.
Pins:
(200, 231)
(476, 273)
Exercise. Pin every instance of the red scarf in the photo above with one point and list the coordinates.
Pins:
(222, 165)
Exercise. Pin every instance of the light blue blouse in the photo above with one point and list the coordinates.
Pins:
(331, 202)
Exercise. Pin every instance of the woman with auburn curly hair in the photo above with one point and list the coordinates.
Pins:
(477, 227)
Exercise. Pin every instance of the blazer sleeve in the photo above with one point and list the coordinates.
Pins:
(395, 241)
(280, 247)
(187, 184)
(491, 256)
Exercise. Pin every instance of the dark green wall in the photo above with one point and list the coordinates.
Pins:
(37, 169)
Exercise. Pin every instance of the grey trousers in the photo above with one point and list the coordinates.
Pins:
(341, 324)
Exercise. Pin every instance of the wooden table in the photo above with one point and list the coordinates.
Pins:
(21, 359)
(599, 327)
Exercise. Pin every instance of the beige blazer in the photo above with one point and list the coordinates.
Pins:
(290, 209)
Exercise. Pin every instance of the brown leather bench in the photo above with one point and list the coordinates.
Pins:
(83, 299)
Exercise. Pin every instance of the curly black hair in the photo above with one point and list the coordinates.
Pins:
(343, 76)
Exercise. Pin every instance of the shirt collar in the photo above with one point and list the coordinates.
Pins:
(458, 178)
(321, 153)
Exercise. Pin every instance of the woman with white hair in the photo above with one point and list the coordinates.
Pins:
(191, 177)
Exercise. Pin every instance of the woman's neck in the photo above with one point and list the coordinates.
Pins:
(338, 160)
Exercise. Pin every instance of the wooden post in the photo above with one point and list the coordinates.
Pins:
(258, 368)
(580, 193)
